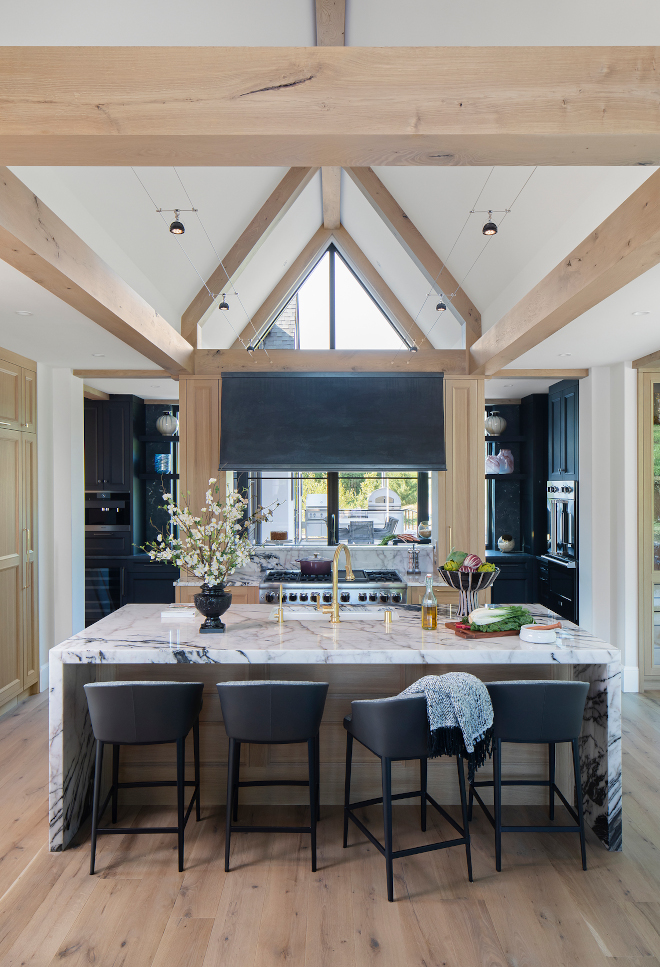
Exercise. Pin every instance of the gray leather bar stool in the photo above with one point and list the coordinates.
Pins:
(535, 712)
(272, 713)
(395, 729)
(144, 713)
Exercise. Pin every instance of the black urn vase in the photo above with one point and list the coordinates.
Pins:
(212, 602)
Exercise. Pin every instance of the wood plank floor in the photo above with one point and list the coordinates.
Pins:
(138, 911)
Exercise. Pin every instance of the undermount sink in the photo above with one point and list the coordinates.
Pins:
(311, 614)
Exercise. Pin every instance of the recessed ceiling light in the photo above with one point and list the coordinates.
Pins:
(24, 312)
(98, 354)
(642, 312)
(508, 386)
(564, 354)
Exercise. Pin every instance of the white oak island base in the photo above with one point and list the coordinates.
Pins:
(359, 660)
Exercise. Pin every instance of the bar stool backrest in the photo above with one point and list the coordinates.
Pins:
(272, 712)
(133, 713)
(537, 711)
(394, 728)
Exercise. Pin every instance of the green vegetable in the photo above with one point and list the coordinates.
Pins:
(513, 620)
(457, 556)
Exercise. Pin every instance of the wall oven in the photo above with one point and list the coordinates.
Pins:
(562, 520)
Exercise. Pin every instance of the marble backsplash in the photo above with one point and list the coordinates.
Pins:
(267, 557)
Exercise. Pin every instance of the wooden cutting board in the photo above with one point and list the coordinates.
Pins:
(478, 634)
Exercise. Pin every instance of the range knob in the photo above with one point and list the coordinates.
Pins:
(373, 596)
(362, 596)
(396, 597)
(303, 597)
(384, 598)
(292, 597)
(314, 596)
(270, 597)
(344, 596)
(327, 597)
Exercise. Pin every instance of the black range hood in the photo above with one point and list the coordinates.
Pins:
(332, 421)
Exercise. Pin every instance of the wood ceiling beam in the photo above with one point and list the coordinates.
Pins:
(213, 362)
(652, 360)
(331, 188)
(123, 374)
(246, 246)
(331, 105)
(330, 23)
(540, 374)
(622, 248)
(286, 287)
(377, 286)
(39, 244)
(90, 393)
(419, 250)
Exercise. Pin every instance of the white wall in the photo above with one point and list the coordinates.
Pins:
(608, 511)
(61, 509)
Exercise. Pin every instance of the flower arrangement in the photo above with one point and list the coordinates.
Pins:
(212, 545)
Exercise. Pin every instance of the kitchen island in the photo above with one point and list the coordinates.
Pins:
(359, 658)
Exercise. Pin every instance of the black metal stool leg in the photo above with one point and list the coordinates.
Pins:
(551, 778)
(115, 781)
(464, 811)
(347, 784)
(198, 807)
(236, 778)
(578, 794)
(180, 779)
(98, 769)
(231, 772)
(497, 789)
(317, 752)
(386, 766)
(423, 778)
(313, 805)
(470, 801)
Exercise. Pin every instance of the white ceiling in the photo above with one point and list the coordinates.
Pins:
(109, 208)
(375, 23)
(146, 389)
(515, 389)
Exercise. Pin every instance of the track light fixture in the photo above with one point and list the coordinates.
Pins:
(413, 348)
(441, 307)
(224, 304)
(176, 227)
(250, 347)
(490, 228)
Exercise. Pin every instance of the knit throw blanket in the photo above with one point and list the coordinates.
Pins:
(460, 716)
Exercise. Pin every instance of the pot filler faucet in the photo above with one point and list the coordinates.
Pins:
(334, 607)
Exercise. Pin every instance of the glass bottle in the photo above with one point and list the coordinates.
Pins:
(429, 606)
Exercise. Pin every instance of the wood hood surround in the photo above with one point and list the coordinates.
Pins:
(460, 487)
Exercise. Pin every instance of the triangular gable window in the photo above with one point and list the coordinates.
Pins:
(332, 310)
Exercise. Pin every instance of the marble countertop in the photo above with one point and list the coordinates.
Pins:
(136, 634)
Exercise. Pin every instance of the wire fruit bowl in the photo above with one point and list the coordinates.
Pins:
(468, 584)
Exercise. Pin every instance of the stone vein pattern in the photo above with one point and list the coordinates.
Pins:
(136, 634)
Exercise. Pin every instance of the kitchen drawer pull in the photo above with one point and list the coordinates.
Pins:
(4, 423)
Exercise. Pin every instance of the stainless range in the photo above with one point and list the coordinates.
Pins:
(369, 587)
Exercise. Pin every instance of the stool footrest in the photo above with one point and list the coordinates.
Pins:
(528, 829)
(270, 829)
(272, 782)
(348, 809)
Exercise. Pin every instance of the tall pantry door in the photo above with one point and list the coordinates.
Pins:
(30, 609)
(11, 571)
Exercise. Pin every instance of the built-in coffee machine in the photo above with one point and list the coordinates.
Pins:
(562, 520)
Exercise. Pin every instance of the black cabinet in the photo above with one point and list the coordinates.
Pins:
(150, 584)
(558, 588)
(108, 445)
(514, 582)
(563, 431)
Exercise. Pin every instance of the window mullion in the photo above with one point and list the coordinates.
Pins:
(331, 277)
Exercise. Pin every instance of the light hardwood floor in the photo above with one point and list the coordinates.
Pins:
(138, 911)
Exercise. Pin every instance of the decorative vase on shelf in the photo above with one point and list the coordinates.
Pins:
(212, 602)
(167, 424)
(505, 458)
(492, 463)
(506, 543)
(424, 530)
(494, 423)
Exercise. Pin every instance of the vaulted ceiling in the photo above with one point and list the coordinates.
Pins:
(113, 209)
